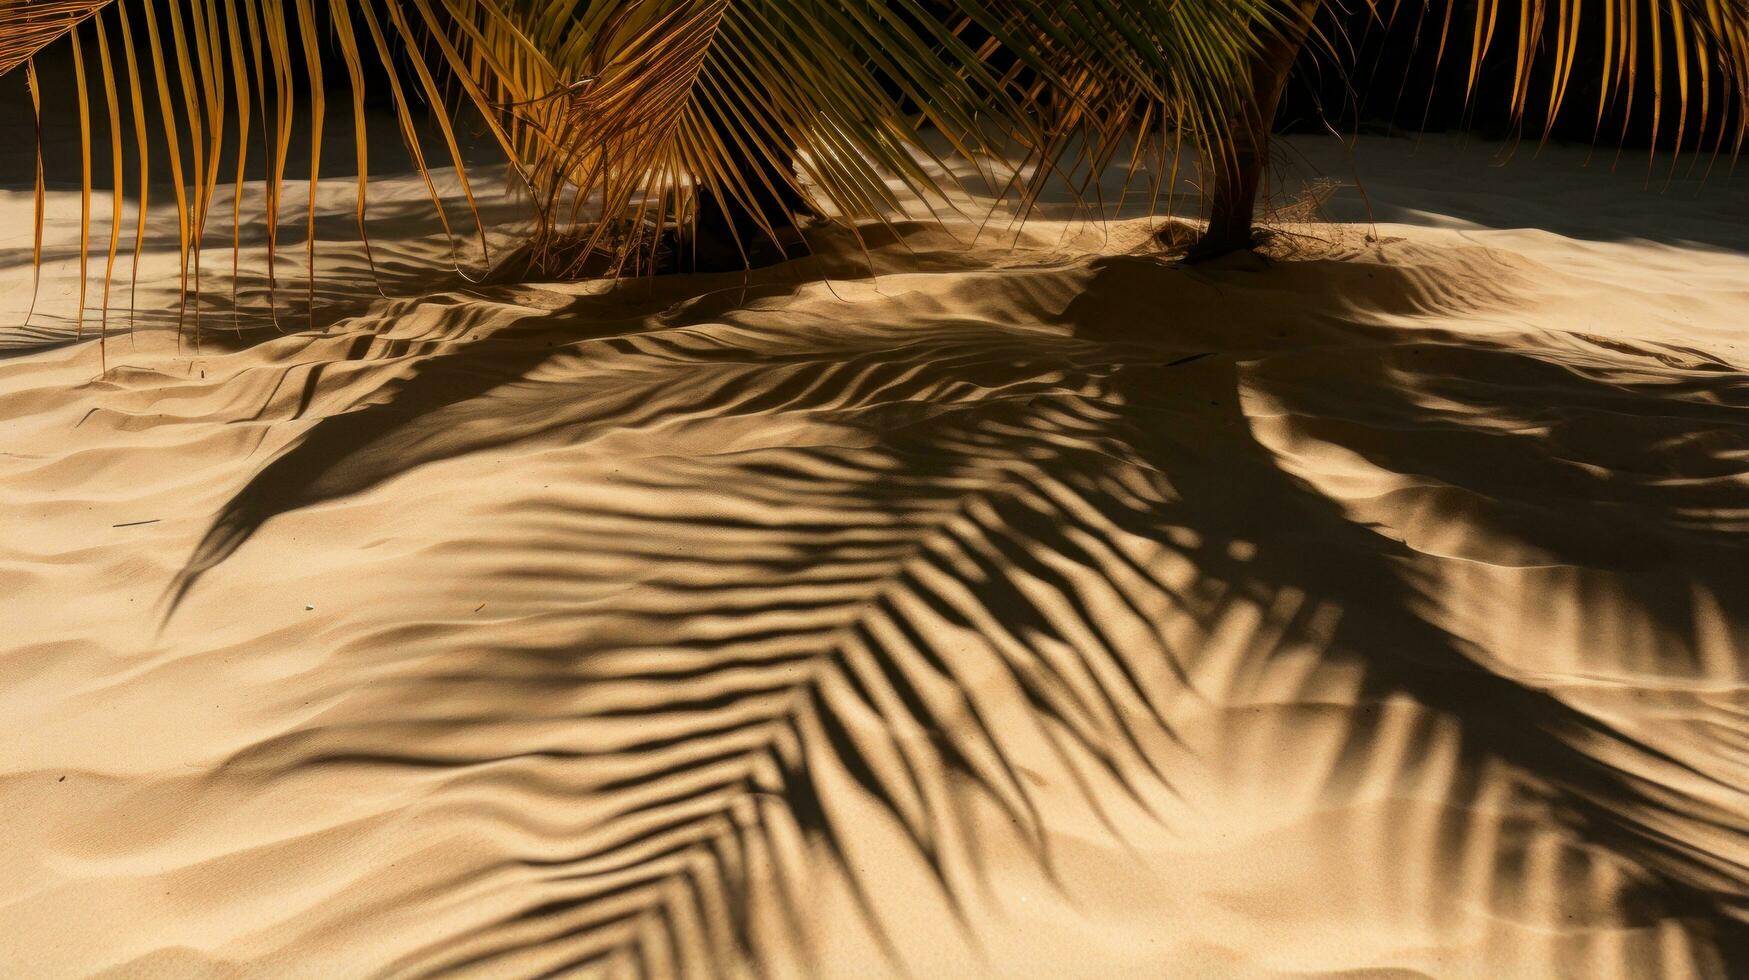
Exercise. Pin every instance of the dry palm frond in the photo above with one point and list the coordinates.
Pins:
(625, 116)
(624, 113)
(204, 69)
(1693, 48)
(1100, 74)
(27, 26)
(629, 110)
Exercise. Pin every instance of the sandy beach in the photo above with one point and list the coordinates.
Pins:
(956, 607)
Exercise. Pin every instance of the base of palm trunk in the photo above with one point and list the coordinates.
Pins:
(1233, 194)
(1232, 181)
(1215, 243)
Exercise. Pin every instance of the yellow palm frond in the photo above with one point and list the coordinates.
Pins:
(28, 26)
(1689, 49)
(624, 116)
(624, 112)
(197, 74)
(633, 111)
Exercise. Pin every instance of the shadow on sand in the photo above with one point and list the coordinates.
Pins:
(1022, 492)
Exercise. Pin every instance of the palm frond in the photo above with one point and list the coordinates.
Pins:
(625, 117)
(1686, 48)
(216, 67)
(624, 113)
(1100, 73)
(28, 26)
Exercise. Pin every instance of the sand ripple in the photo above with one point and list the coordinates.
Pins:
(1020, 615)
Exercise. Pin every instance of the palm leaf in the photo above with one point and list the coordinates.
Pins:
(632, 106)
(28, 26)
(1691, 46)
(212, 65)
(622, 112)
(622, 115)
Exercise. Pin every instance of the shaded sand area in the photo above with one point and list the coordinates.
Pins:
(1048, 612)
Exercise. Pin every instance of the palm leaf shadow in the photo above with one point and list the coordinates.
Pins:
(786, 640)
(425, 416)
(1433, 409)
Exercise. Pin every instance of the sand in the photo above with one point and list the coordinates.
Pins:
(1052, 611)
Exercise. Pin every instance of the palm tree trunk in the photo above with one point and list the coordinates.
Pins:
(1230, 186)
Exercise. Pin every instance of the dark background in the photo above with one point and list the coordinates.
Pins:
(1386, 77)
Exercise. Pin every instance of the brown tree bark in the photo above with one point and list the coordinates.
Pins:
(1231, 186)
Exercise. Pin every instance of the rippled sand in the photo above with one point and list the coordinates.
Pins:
(1049, 612)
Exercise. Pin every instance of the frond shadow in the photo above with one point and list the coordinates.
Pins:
(964, 568)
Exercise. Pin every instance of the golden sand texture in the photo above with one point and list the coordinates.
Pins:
(1047, 612)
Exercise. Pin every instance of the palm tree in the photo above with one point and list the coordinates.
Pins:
(629, 121)
(689, 117)
(643, 127)
(1704, 44)
(1232, 181)
(687, 133)
(200, 73)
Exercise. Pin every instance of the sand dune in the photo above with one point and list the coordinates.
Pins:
(1056, 611)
